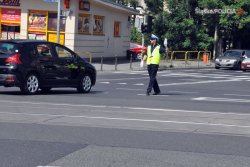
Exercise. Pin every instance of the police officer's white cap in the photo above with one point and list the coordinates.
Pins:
(154, 37)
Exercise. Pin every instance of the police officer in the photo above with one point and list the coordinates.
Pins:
(153, 58)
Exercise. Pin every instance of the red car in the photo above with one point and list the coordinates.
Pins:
(135, 50)
(245, 65)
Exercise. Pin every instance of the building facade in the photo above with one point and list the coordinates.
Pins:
(99, 27)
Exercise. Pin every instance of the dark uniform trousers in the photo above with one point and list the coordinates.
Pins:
(152, 71)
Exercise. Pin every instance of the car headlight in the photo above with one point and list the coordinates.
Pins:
(217, 59)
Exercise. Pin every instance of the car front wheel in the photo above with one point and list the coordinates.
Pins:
(139, 56)
(31, 85)
(85, 84)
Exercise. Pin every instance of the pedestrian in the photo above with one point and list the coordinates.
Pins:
(244, 56)
(153, 58)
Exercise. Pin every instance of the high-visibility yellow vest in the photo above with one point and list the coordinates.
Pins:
(155, 56)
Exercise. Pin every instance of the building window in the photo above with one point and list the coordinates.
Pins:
(52, 22)
(84, 5)
(37, 21)
(10, 23)
(84, 23)
(98, 25)
(42, 25)
(117, 29)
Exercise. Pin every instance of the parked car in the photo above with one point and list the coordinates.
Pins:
(32, 65)
(135, 50)
(231, 59)
(245, 65)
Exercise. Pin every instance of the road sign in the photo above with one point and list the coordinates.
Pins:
(50, 0)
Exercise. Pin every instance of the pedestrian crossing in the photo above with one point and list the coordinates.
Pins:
(175, 77)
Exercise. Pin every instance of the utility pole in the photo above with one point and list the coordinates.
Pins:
(58, 21)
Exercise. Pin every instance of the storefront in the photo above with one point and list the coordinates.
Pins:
(42, 25)
(10, 23)
(100, 27)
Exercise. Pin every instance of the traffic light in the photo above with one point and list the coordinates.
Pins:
(150, 24)
(144, 28)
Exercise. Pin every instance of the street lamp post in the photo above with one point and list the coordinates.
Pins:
(58, 21)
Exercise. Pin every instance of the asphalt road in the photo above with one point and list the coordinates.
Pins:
(201, 119)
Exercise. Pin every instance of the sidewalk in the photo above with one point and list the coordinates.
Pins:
(164, 65)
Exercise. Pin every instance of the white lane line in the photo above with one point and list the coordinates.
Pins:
(199, 75)
(242, 76)
(48, 166)
(236, 95)
(128, 89)
(183, 92)
(199, 82)
(128, 119)
(104, 82)
(122, 83)
(120, 79)
(221, 99)
(139, 84)
(119, 107)
(188, 80)
(152, 95)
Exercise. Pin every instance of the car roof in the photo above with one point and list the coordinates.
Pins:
(21, 41)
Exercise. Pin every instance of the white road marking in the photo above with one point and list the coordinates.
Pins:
(139, 84)
(104, 82)
(48, 166)
(188, 79)
(128, 119)
(183, 92)
(152, 95)
(122, 83)
(242, 76)
(120, 79)
(199, 82)
(194, 75)
(119, 107)
(128, 89)
(222, 99)
(236, 95)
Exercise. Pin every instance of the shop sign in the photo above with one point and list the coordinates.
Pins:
(11, 15)
(52, 37)
(10, 2)
(37, 21)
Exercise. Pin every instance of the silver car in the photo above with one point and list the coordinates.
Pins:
(231, 59)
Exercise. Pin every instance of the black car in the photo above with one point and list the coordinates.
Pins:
(32, 65)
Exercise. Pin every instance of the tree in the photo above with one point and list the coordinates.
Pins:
(202, 24)
(183, 29)
(229, 22)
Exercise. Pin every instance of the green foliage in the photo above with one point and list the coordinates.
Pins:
(186, 29)
(183, 29)
(154, 6)
(135, 35)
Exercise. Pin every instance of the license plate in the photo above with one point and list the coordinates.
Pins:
(248, 65)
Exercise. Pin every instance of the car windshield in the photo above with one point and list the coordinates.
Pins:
(232, 53)
(8, 48)
(134, 45)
